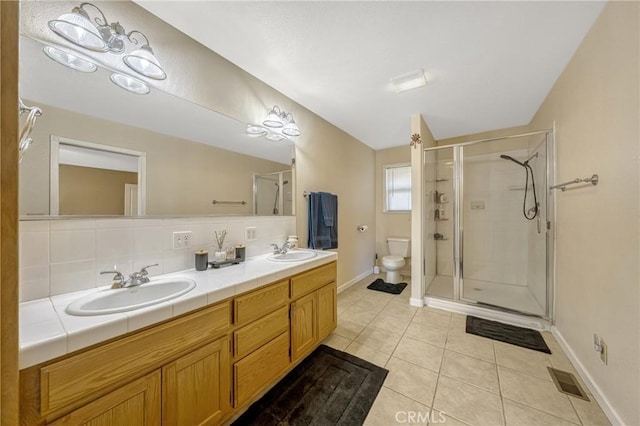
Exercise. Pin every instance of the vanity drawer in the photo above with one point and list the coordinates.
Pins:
(260, 302)
(312, 280)
(259, 332)
(257, 370)
(99, 370)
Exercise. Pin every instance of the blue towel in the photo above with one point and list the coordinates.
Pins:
(323, 220)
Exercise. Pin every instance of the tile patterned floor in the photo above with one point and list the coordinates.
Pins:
(440, 375)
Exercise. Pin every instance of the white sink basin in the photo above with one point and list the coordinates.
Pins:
(130, 298)
(292, 256)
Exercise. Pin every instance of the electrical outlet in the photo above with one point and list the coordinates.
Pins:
(250, 233)
(181, 239)
(604, 352)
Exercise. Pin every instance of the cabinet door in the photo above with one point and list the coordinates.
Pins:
(304, 325)
(135, 404)
(327, 310)
(197, 387)
(259, 369)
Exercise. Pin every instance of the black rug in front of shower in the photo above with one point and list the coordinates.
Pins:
(380, 285)
(519, 336)
(329, 387)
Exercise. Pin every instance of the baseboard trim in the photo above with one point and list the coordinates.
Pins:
(352, 281)
(490, 314)
(606, 406)
(416, 302)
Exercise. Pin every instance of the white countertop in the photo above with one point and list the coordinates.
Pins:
(47, 331)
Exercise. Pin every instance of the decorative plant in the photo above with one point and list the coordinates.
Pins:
(220, 238)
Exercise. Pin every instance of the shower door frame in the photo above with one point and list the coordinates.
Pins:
(458, 237)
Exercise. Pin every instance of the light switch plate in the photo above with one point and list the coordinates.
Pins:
(250, 233)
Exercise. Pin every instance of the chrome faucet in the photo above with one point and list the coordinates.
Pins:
(141, 277)
(135, 279)
(118, 279)
(281, 250)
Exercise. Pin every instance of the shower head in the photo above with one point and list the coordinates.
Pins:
(506, 157)
(284, 183)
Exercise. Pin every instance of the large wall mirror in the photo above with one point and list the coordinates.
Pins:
(167, 156)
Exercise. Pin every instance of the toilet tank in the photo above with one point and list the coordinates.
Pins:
(399, 246)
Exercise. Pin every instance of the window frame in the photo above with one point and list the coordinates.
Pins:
(385, 191)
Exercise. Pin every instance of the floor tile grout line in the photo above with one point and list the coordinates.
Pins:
(435, 389)
(575, 410)
(495, 358)
(543, 412)
(444, 349)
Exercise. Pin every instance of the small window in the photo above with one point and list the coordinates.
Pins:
(397, 187)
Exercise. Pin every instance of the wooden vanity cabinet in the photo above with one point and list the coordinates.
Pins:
(199, 369)
(327, 310)
(195, 388)
(313, 310)
(304, 325)
(136, 404)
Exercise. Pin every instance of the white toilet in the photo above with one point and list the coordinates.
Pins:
(393, 263)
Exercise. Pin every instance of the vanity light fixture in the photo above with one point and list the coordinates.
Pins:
(408, 81)
(129, 83)
(277, 126)
(77, 28)
(69, 60)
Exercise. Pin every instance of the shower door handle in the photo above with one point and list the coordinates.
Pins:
(539, 224)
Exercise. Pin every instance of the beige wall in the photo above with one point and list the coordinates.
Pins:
(390, 224)
(595, 106)
(327, 159)
(183, 177)
(79, 186)
(332, 161)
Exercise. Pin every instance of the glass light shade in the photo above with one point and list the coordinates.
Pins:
(114, 41)
(274, 119)
(76, 28)
(291, 129)
(69, 60)
(272, 136)
(129, 83)
(145, 63)
(256, 130)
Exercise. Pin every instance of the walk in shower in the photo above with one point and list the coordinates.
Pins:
(272, 194)
(488, 222)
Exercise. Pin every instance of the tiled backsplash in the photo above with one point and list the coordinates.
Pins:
(64, 255)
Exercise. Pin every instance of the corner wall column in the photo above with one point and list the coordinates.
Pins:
(418, 126)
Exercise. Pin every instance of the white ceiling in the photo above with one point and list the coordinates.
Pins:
(490, 64)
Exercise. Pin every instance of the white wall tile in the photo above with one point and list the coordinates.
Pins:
(112, 242)
(178, 260)
(65, 255)
(34, 248)
(34, 283)
(72, 245)
(148, 239)
(68, 224)
(72, 276)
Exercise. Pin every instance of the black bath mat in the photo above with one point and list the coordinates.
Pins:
(329, 387)
(380, 285)
(519, 336)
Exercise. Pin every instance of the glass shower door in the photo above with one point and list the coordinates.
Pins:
(439, 224)
(503, 234)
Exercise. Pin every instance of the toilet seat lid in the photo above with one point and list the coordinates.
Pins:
(393, 258)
